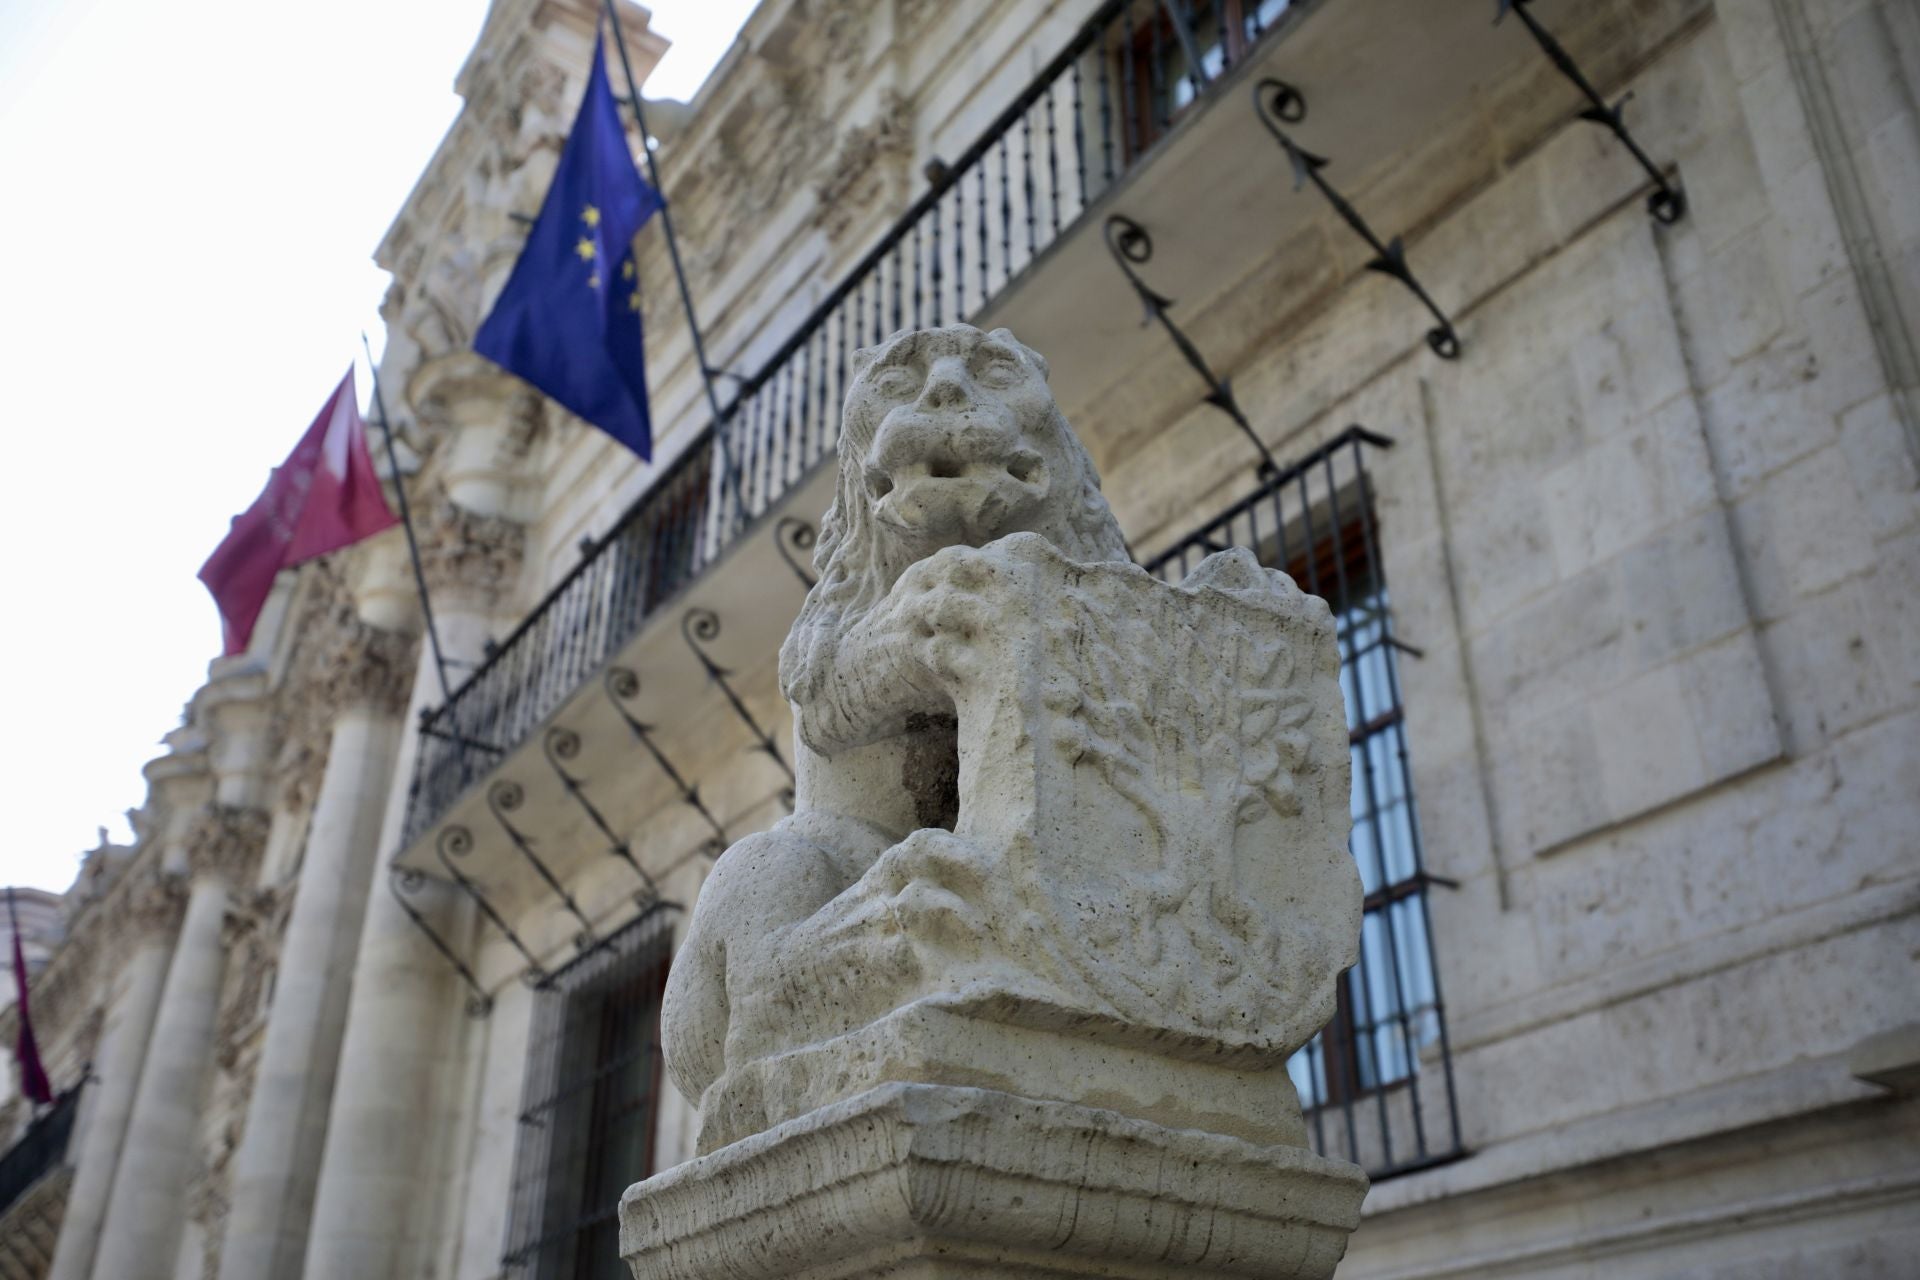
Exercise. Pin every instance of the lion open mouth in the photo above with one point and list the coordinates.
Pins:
(944, 493)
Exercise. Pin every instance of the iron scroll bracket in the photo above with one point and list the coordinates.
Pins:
(622, 686)
(503, 798)
(1277, 103)
(795, 539)
(562, 744)
(1131, 246)
(457, 842)
(404, 880)
(1668, 203)
(701, 626)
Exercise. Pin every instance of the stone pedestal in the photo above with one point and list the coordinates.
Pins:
(928, 1182)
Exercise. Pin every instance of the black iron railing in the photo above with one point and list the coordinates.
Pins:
(1089, 116)
(1377, 1083)
(40, 1151)
(655, 549)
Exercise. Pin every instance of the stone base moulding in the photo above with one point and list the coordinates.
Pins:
(933, 1181)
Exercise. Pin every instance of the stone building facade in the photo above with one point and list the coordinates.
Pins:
(1629, 589)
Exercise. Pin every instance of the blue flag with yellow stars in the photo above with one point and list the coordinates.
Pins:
(569, 319)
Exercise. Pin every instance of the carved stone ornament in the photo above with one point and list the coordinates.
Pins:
(151, 908)
(340, 661)
(764, 147)
(252, 932)
(870, 168)
(461, 552)
(226, 842)
(1065, 835)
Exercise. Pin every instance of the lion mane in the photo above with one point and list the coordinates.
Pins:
(857, 559)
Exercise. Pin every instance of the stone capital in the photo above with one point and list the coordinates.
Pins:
(344, 663)
(151, 908)
(369, 668)
(472, 557)
(225, 843)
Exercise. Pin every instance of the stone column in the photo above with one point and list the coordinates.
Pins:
(374, 1201)
(143, 932)
(365, 676)
(147, 1205)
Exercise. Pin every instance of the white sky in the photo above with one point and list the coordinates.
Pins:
(193, 194)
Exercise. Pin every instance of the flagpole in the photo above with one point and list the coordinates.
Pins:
(406, 522)
(679, 270)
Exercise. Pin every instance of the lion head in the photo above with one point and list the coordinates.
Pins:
(949, 437)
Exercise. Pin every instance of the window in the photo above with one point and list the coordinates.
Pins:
(1156, 78)
(1377, 1083)
(591, 1098)
(1387, 1011)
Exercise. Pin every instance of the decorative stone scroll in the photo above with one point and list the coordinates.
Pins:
(1069, 841)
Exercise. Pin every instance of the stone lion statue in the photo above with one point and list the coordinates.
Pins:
(1044, 800)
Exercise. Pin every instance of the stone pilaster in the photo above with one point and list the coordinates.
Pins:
(396, 1053)
(364, 678)
(141, 1233)
(143, 927)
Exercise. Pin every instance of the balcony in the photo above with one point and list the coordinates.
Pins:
(33, 1190)
(1009, 234)
(643, 675)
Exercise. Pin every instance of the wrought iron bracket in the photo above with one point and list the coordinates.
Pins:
(562, 744)
(795, 538)
(457, 842)
(1277, 102)
(1668, 203)
(622, 686)
(504, 797)
(404, 880)
(701, 626)
(1131, 246)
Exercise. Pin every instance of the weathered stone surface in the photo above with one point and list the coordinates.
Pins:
(1040, 789)
(933, 1181)
(1065, 834)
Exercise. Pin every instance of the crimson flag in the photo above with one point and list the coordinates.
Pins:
(33, 1076)
(323, 497)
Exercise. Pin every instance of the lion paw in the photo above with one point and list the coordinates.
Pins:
(955, 610)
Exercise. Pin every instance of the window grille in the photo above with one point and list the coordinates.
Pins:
(1377, 1084)
(1157, 82)
(590, 1103)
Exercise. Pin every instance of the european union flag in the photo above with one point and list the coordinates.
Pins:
(569, 319)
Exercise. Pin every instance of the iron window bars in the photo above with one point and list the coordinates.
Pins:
(1377, 1084)
(1084, 121)
(592, 1093)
